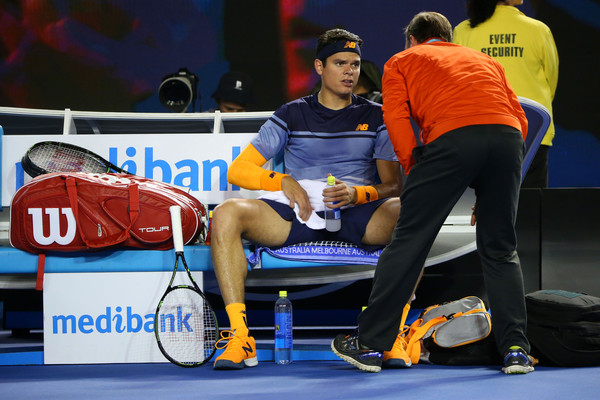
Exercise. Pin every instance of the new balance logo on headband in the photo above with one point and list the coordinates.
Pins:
(338, 46)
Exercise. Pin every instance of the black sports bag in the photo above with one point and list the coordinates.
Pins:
(564, 327)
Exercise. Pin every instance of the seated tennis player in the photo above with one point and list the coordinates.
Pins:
(330, 132)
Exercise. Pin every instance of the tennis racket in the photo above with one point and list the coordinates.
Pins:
(46, 157)
(185, 325)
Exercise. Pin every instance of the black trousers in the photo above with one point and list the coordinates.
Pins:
(487, 158)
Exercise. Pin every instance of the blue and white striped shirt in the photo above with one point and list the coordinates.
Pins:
(318, 141)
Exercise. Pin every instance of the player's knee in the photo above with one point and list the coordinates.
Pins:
(391, 208)
(225, 217)
(380, 227)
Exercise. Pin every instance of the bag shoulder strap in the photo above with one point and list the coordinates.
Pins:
(133, 209)
(415, 334)
(39, 281)
(418, 330)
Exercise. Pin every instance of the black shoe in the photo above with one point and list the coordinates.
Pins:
(350, 350)
(517, 361)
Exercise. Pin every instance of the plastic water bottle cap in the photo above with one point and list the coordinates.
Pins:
(331, 180)
(283, 293)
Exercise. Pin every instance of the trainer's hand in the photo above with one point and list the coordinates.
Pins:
(297, 195)
(473, 216)
(340, 192)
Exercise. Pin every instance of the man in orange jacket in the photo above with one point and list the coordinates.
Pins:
(472, 128)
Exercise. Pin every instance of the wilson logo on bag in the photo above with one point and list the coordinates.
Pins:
(88, 211)
(54, 228)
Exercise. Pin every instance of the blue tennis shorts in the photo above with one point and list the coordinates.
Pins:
(354, 225)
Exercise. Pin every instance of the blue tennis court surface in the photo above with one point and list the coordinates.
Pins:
(316, 373)
(299, 380)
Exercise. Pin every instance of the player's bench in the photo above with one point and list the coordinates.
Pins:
(18, 268)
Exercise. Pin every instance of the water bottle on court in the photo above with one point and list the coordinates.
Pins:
(333, 221)
(283, 329)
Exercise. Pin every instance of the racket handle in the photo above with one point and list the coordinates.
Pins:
(176, 227)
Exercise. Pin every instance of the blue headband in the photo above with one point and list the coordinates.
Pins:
(337, 47)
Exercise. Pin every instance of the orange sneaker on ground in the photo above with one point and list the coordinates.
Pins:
(240, 352)
(397, 356)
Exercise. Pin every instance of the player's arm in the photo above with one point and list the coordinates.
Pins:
(246, 171)
(391, 185)
(390, 175)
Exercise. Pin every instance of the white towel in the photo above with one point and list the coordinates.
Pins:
(315, 195)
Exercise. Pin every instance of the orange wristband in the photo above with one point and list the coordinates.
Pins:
(365, 194)
(271, 180)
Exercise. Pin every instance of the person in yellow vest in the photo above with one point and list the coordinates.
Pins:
(525, 47)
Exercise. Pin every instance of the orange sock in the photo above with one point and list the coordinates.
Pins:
(237, 317)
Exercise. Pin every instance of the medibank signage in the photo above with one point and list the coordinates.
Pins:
(193, 173)
(92, 318)
(111, 320)
(198, 162)
(117, 320)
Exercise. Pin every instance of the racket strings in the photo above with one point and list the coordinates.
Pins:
(186, 326)
(61, 159)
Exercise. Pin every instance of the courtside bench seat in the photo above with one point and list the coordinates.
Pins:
(15, 261)
(18, 268)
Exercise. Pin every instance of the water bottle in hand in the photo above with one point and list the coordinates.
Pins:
(333, 221)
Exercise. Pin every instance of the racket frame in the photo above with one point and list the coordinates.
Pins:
(35, 170)
(179, 255)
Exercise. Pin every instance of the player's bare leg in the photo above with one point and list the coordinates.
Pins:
(233, 219)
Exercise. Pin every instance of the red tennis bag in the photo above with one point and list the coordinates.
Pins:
(89, 211)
